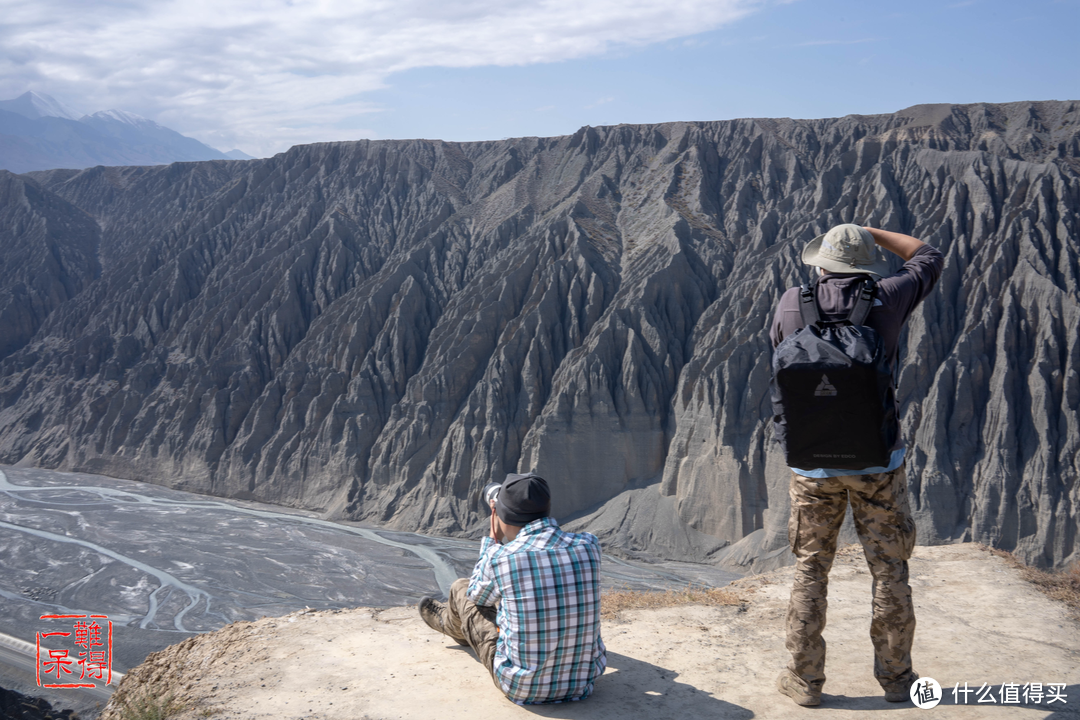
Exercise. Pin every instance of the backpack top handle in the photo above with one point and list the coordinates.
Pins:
(811, 314)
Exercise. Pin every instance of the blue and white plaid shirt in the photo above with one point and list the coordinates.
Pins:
(549, 647)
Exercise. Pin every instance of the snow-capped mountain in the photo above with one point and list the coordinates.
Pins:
(122, 116)
(37, 132)
(37, 105)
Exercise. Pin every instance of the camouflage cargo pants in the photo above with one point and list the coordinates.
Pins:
(879, 506)
(473, 623)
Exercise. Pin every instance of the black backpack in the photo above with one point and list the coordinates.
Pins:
(832, 389)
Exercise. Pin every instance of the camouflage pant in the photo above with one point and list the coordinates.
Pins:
(473, 623)
(879, 506)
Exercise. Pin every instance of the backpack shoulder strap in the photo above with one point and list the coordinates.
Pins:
(861, 311)
(808, 306)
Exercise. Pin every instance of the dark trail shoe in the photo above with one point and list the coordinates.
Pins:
(434, 614)
(788, 685)
(901, 694)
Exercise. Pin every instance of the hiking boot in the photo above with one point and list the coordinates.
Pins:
(788, 685)
(902, 694)
(434, 614)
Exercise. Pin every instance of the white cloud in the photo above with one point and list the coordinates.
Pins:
(266, 74)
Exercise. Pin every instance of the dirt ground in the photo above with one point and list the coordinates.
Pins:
(979, 623)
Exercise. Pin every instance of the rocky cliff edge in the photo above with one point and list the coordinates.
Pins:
(979, 622)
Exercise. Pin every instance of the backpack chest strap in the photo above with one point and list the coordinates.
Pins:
(861, 311)
(808, 307)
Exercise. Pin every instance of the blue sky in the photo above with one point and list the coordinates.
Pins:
(263, 75)
(805, 59)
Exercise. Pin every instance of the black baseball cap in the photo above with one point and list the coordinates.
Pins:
(520, 499)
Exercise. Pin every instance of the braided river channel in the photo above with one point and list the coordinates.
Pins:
(164, 564)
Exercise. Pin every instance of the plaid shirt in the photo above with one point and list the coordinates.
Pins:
(549, 647)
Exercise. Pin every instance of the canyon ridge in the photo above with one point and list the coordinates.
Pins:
(376, 329)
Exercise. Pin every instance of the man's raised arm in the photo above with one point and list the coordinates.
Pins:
(897, 243)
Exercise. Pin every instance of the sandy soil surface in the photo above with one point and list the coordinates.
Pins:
(978, 623)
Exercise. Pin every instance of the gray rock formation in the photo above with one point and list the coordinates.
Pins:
(377, 329)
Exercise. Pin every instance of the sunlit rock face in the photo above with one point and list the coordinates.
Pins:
(378, 329)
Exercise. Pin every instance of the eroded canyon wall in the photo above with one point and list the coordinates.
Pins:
(378, 328)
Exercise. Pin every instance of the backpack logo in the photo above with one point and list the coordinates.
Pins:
(825, 388)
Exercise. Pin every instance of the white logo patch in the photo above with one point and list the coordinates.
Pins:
(926, 693)
(825, 388)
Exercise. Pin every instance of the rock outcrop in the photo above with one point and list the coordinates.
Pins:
(376, 329)
(17, 706)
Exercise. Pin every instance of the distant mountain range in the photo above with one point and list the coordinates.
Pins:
(37, 132)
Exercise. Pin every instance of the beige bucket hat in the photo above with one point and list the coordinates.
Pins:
(846, 249)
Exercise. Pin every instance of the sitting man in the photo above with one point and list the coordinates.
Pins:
(543, 644)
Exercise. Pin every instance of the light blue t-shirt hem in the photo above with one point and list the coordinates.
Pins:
(894, 462)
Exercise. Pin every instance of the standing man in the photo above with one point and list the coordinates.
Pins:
(543, 643)
(844, 256)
